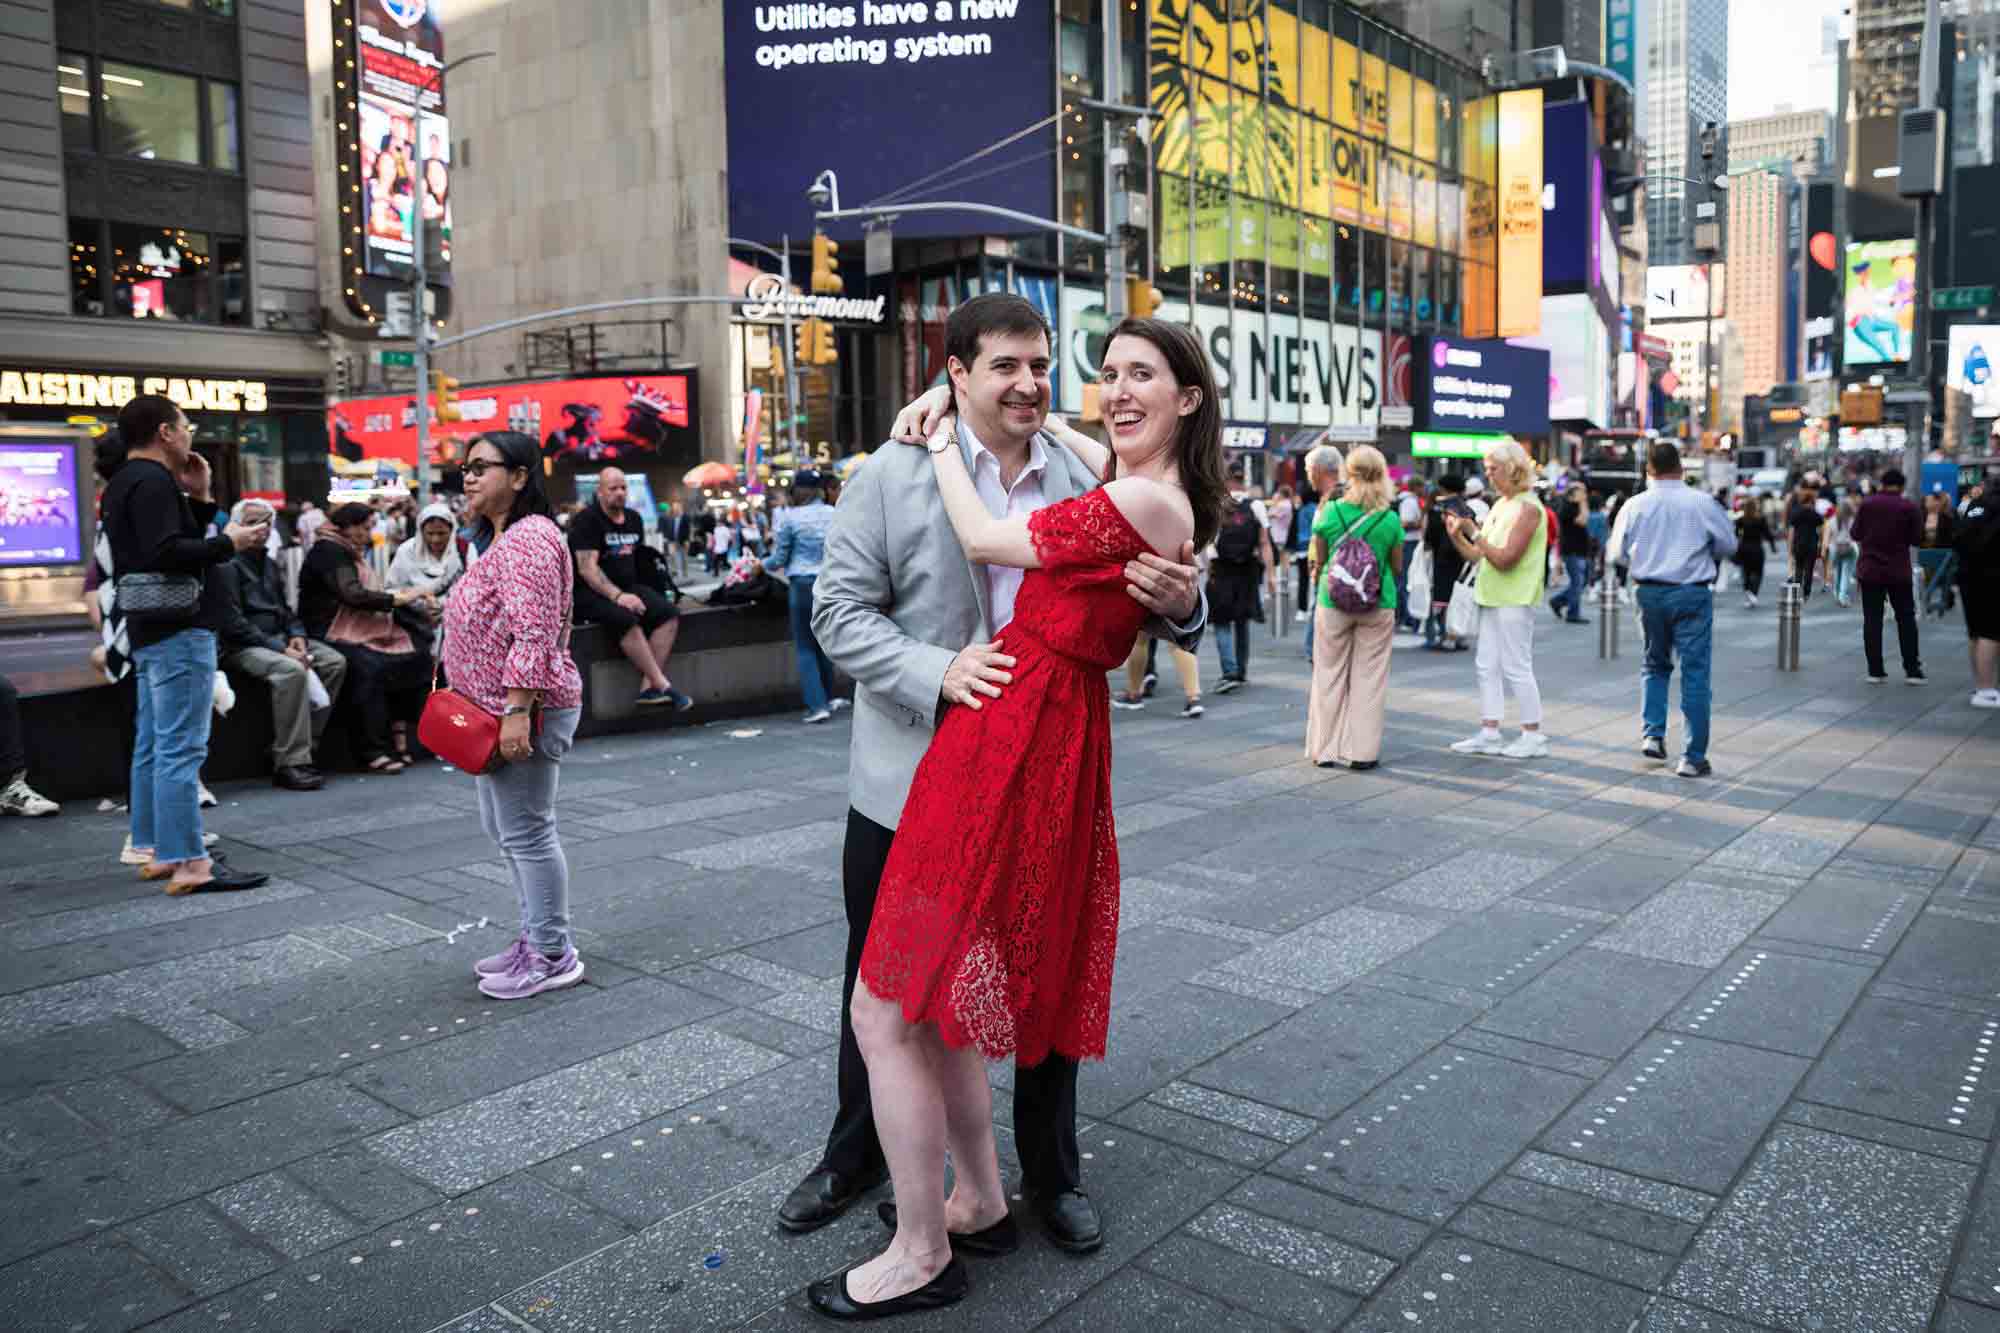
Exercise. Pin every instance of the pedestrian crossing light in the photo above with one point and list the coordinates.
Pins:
(814, 343)
(446, 390)
(1142, 298)
(826, 265)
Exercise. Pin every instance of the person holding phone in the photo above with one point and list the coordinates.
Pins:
(155, 511)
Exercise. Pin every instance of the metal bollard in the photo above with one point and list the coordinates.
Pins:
(1607, 618)
(1791, 610)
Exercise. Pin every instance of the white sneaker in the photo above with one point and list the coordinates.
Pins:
(1527, 745)
(837, 704)
(1986, 698)
(1479, 743)
(208, 801)
(18, 798)
(817, 715)
(1300, 617)
(1750, 599)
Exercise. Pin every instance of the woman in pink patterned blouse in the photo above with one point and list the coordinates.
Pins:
(506, 647)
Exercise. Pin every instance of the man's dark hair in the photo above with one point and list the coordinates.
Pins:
(1894, 478)
(517, 451)
(805, 493)
(1451, 484)
(1663, 459)
(1001, 313)
(139, 423)
(351, 515)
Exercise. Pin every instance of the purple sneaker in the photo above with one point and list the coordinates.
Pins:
(532, 974)
(494, 965)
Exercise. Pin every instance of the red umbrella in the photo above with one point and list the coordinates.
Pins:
(710, 474)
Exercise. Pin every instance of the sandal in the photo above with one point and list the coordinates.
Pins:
(400, 738)
(385, 764)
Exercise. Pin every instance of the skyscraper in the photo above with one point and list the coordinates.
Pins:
(1687, 86)
(1766, 154)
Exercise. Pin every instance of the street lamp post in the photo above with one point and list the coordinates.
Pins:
(420, 282)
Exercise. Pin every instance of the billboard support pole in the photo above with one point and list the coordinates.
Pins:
(1114, 244)
(955, 206)
(420, 287)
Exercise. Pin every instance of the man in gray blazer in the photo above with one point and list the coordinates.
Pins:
(900, 610)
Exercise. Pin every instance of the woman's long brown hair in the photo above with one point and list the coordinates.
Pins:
(1198, 446)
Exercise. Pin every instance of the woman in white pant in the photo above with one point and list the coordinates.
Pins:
(1512, 548)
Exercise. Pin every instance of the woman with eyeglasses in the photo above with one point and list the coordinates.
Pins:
(506, 648)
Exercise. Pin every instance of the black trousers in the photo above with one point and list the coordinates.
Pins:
(13, 748)
(1753, 571)
(381, 687)
(1044, 1094)
(1899, 596)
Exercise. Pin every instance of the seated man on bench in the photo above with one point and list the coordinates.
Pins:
(605, 538)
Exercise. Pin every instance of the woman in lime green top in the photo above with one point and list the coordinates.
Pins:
(1512, 546)
(1350, 683)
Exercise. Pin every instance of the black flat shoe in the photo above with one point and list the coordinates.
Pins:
(1003, 1237)
(829, 1295)
(822, 1196)
(1071, 1220)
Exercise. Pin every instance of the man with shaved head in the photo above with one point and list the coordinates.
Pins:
(604, 537)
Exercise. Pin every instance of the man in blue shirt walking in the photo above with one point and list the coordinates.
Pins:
(1675, 539)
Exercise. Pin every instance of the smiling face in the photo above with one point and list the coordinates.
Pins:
(1004, 393)
(1141, 401)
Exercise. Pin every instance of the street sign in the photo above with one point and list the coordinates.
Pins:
(1961, 298)
(391, 357)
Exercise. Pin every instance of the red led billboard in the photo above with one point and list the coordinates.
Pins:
(611, 419)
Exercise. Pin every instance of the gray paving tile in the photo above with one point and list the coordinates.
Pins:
(1333, 950)
(1965, 1317)
(1691, 922)
(1680, 1109)
(420, 1272)
(1667, 1315)
(1430, 1138)
(1245, 1284)
(1471, 881)
(1774, 849)
(1196, 1134)
(1941, 1060)
(1365, 1228)
(1829, 1232)
(1595, 1001)
(1323, 1058)
(1291, 1248)
(1158, 1038)
(1773, 1000)
(1617, 1187)
(1581, 1212)
(1156, 955)
(1529, 1053)
(1498, 951)
(1236, 1112)
(1844, 915)
(155, 909)
(94, 1283)
(1889, 1133)
(285, 1215)
(204, 1254)
(1938, 953)
(180, 1160)
(1134, 1300)
(1631, 1265)
(1466, 1286)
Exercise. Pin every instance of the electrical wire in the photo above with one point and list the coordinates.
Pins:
(929, 177)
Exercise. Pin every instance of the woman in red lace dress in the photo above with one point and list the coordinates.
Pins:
(997, 919)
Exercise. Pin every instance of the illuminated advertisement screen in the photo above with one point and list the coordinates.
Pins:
(889, 96)
(1881, 301)
(1520, 212)
(587, 421)
(40, 523)
(1973, 350)
(395, 162)
(1481, 386)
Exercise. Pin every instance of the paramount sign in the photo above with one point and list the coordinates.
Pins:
(765, 298)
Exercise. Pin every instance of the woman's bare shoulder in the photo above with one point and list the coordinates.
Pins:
(1160, 513)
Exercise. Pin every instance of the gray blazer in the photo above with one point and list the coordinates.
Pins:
(896, 600)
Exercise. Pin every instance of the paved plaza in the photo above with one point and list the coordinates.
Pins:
(1458, 1044)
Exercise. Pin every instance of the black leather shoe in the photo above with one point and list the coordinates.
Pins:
(829, 1295)
(822, 1196)
(1003, 1237)
(1071, 1220)
(297, 778)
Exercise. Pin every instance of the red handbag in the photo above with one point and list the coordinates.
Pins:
(461, 733)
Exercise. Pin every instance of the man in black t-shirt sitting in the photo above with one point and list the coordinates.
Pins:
(605, 538)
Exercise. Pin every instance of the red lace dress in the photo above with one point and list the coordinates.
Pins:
(997, 917)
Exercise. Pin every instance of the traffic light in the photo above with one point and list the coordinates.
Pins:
(1142, 298)
(823, 353)
(802, 343)
(826, 265)
(445, 389)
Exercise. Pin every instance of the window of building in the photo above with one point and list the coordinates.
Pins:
(221, 9)
(73, 92)
(168, 274)
(86, 273)
(225, 134)
(150, 113)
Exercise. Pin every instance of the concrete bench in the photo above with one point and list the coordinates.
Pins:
(735, 661)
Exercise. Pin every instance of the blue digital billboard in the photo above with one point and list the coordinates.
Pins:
(1480, 385)
(892, 97)
(1569, 224)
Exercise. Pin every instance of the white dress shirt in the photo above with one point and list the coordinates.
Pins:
(1003, 585)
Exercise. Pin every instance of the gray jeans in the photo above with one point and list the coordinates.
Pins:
(295, 726)
(517, 806)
